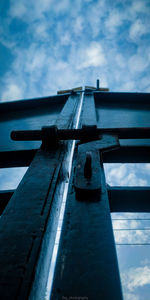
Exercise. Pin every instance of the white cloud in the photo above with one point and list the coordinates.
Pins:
(40, 30)
(147, 89)
(120, 60)
(119, 224)
(128, 86)
(132, 237)
(94, 16)
(18, 9)
(127, 174)
(29, 10)
(115, 174)
(78, 25)
(145, 82)
(36, 60)
(114, 20)
(131, 296)
(65, 39)
(13, 91)
(126, 224)
(61, 6)
(147, 167)
(133, 180)
(137, 29)
(139, 6)
(75, 40)
(136, 277)
(138, 63)
(93, 56)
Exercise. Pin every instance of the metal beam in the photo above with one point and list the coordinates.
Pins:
(121, 99)
(121, 199)
(129, 199)
(19, 158)
(78, 134)
(5, 196)
(25, 218)
(125, 154)
(86, 266)
(21, 105)
(132, 154)
(88, 111)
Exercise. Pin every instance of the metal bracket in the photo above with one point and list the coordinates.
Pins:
(87, 181)
(49, 137)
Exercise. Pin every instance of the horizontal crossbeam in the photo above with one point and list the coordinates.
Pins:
(23, 158)
(79, 134)
(121, 199)
(128, 154)
(129, 199)
(4, 199)
(19, 158)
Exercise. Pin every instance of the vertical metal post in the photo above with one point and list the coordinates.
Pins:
(87, 265)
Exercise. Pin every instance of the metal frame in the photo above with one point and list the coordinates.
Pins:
(24, 221)
(87, 265)
(87, 262)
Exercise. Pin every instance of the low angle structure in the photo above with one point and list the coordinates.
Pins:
(56, 232)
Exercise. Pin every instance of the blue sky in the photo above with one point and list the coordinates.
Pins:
(48, 45)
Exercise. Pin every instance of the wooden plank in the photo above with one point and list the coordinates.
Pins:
(98, 90)
(25, 219)
(77, 89)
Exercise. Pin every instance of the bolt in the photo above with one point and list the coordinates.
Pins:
(88, 165)
(97, 84)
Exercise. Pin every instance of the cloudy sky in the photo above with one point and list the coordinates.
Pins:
(48, 45)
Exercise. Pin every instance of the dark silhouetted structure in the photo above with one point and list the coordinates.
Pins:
(40, 133)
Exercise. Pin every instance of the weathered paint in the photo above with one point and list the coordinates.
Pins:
(25, 217)
(87, 263)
